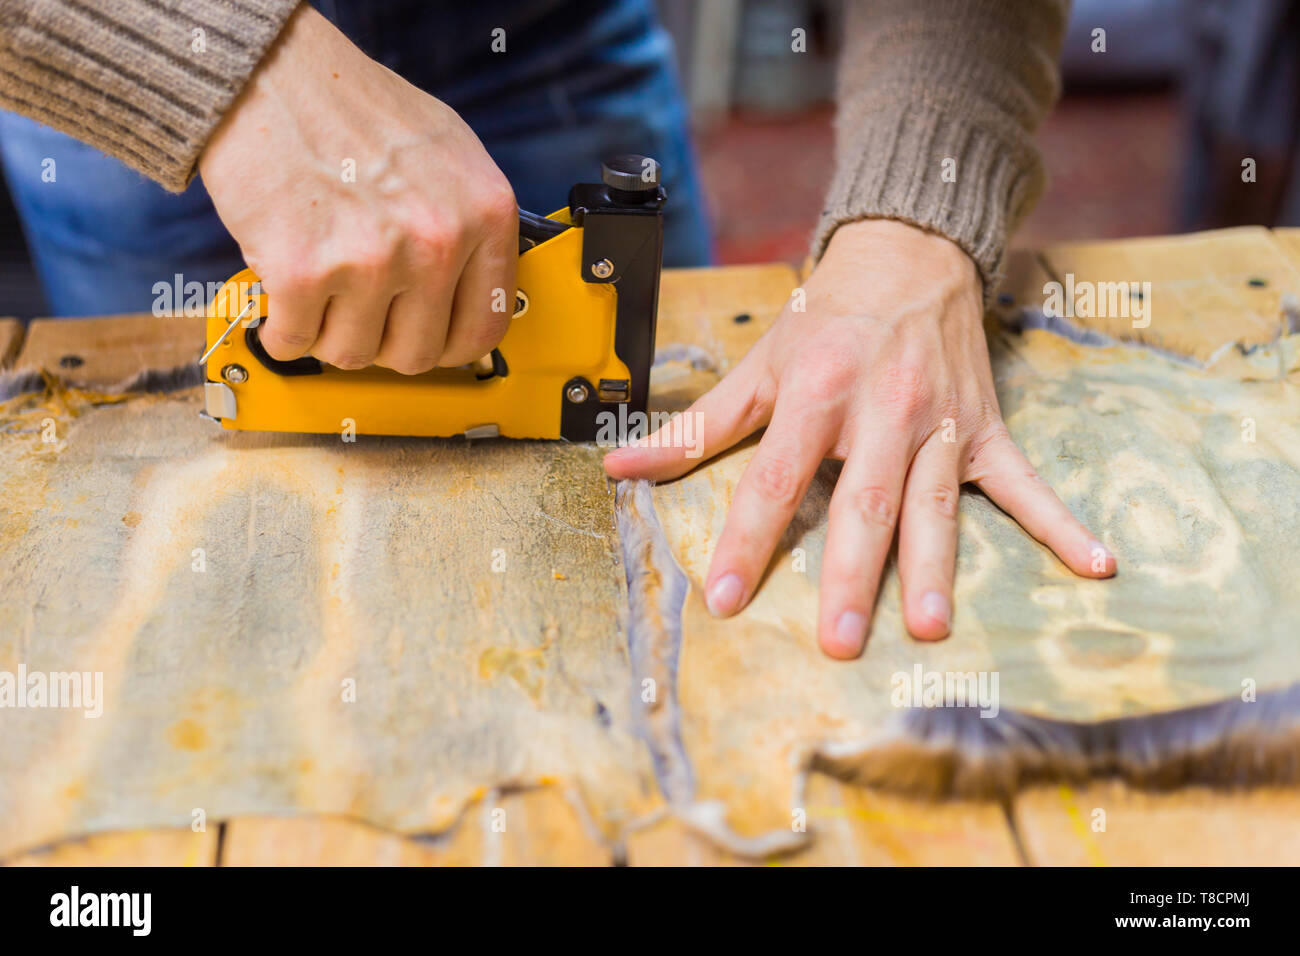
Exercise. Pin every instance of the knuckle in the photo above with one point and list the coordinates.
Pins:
(823, 373)
(292, 281)
(817, 389)
(487, 330)
(988, 438)
(948, 407)
(478, 339)
(774, 480)
(433, 241)
(942, 500)
(370, 260)
(345, 359)
(286, 345)
(500, 205)
(985, 417)
(286, 338)
(904, 390)
(1031, 474)
(873, 506)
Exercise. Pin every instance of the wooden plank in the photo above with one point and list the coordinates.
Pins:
(11, 339)
(1207, 288)
(338, 841)
(721, 311)
(89, 353)
(855, 826)
(1061, 826)
(159, 847)
(1289, 240)
(531, 828)
(539, 828)
(1022, 285)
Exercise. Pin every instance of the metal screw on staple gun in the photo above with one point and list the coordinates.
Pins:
(602, 269)
(235, 374)
(577, 394)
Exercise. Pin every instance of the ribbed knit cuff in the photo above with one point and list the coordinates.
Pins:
(146, 81)
(898, 172)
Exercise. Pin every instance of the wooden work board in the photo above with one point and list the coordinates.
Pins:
(1042, 825)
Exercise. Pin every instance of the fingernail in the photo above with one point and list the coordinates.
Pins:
(1099, 556)
(724, 597)
(851, 631)
(935, 606)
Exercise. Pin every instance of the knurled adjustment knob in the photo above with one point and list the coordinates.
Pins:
(630, 173)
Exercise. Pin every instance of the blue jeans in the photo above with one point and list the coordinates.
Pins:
(581, 80)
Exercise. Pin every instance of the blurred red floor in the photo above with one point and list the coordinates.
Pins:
(1112, 161)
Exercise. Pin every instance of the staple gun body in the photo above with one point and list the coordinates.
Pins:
(579, 346)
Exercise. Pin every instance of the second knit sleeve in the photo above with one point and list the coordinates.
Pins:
(937, 104)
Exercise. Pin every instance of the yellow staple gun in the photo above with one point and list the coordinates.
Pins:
(575, 360)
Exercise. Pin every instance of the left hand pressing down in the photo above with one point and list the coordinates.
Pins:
(887, 360)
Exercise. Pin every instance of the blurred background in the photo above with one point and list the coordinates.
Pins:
(1147, 139)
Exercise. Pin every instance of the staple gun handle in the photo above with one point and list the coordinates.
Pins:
(535, 229)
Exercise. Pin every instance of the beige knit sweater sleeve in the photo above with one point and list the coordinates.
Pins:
(937, 104)
(146, 81)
